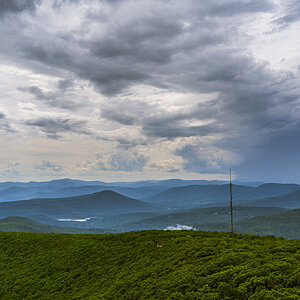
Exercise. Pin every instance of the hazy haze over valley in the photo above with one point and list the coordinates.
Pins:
(76, 206)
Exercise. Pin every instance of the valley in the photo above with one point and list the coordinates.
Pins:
(262, 209)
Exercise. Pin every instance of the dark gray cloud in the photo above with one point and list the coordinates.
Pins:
(151, 47)
(231, 8)
(16, 6)
(161, 124)
(198, 47)
(170, 131)
(126, 112)
(60, 3)
(111, 80)
(250, 97)
(109, 76)
(64, 84)
(49, 166)
(57, 98)
(142, 40)
(203, 159)
(5, 125)
(127, 143)
(274, 161)
(135, 50)
(172, 125)
(55, 126)
(118, 116)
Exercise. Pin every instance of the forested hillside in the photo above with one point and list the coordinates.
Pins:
(285, 224)
(97, 204)
(290, 201)
(197, 216)
(26, 225)
(185, 197)
(189, 265)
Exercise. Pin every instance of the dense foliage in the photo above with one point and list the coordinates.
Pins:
(190, 265)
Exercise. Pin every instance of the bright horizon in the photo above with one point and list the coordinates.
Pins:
(147, 179)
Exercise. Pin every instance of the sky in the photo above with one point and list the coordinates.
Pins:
(149, 89)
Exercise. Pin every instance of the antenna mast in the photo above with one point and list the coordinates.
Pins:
(231, 210)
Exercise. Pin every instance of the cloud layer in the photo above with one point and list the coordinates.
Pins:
(156, 87)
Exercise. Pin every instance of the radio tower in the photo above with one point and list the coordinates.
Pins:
(231, 211)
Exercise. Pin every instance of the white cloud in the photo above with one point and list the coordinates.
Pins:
(49, 166)
(180, 227)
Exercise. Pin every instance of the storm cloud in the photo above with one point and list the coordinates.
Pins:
(16, 6)
(57, 98)
(5, 125)
(195, 82)
(53, 127)
(291, 14)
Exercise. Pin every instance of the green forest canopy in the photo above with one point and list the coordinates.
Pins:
(190, 265)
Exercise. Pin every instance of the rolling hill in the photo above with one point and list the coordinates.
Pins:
(48, 185)
(196, 195)
(26, 225)
(137, 193)
(16, 193)
(286, 224)
(92, 205)
(188, 265)
(196, 216)
(291, 200)
(10, 191)
(96, 222)
(13, 191)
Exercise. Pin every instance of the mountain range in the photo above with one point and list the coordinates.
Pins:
(11, 191)
(196, 195)
(92, 205)
(291, 201)
(142, 205)
(196, 216)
